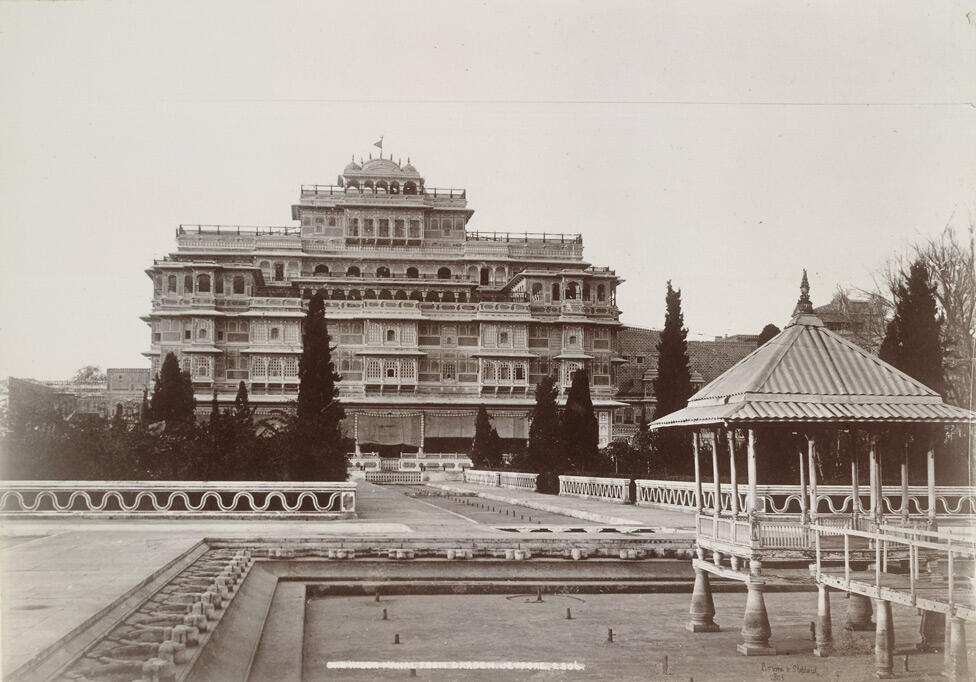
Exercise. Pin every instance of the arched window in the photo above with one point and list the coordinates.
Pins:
(601, 293)
(571, 291)
(394, 187)
(409, 187)
(321, 269)
(400, 295)
(432, 297)
(355, 295)
(500, 276)
(279, 272)
(203, 284)
(586, 291)
(171, 283)
(238, 284)
(443, 273)
(385, 295)
(381, 185)
(462, 297)
(448, 297)
(390, 335)
(382, 271)
(537, 288)
(188, 284)
(275, 334)
(338, 295)
(369, 295)
(412, 272)
(555, 291)
(485, 275)
(353, 271)
(219, 285)
(416, 296)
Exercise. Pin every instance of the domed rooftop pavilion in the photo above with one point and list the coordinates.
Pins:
(383, 174)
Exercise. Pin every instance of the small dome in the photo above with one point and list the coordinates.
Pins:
(380, 166)
(352, 166)
(410, 169)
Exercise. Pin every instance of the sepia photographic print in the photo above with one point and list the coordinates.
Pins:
(488, 341)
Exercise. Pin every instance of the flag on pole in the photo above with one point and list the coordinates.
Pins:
(379, 144)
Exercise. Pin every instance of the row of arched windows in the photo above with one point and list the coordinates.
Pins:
(203, 284)
(394, 295)
(572, 291)
(382, 187)
(383, 272)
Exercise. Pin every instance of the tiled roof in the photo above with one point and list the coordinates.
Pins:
(809, 373)
(707, 359)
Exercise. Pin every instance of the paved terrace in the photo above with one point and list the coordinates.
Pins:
(56, 575)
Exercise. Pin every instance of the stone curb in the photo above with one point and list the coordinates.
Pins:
(541, 506)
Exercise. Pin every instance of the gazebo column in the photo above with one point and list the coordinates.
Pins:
(753, 501)
(930, 463)
(812, 463)
(904, 485)
(695, 442)
(804, 517)
(717, 494)
(730, 436)
(855, 482)
(875, 479)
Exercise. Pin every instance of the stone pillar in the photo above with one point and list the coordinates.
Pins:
(858, 613)
(730, 436)
(930, 462)
(420, 450)
(753, 505)
(812, 464)
(824, 632)
(932, 628)
(702, 607)
(717, 507)
(695, 440)
(755, 624)
(884, 639)
(904, 486)
(355, 433)
(958, 662)
(804, 514)
(873, 473)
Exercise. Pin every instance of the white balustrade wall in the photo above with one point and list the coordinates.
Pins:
(610, 489)
(511, 479)
(176, 498)
(395, 477)
(785, 499)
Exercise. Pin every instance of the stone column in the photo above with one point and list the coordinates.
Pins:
(717, 507)
(420, 450)
(932, 628)
(702, 607)
(884, 639)
(858, 613)
(751, 471)
(355, 433)
(855, 482)
(812, 462)
(823, 631)
(755, 623)
(730, 436)
(695, 439)
(958, 662)
(804, 514)
(904, 486)
(873, 471)
(930, 462)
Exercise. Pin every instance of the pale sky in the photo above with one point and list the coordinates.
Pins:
(722, 145)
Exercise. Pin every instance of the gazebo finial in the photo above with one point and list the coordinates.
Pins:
(804, 306)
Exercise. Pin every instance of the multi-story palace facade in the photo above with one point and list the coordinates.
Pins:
(430, 319)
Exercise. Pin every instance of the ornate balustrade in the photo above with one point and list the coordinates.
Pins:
(609, 489)
(395, 477)
(511, 479)
(785, 499)
(175, 498)
(482, 477)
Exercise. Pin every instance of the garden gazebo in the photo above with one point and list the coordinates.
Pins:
(815, 382)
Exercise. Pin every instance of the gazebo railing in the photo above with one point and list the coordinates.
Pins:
(785, 499)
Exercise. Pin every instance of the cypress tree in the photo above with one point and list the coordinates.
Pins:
(145, 412)
(541, 456)
(172, 398)
(672, 385)
(485, 450)
(242, 406)
(319, 449)
(913, 337)
(579, 433)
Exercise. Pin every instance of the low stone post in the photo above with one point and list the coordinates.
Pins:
(932, 629)
(884, 639)
(824, 632)
(702, 607)
(958, 668)
(858, 613)
(755, 623)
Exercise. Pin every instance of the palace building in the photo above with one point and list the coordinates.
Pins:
(431, 319)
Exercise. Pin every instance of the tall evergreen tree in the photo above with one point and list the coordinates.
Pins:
(318, 449)
(172, 398)
(145, 412)
(913, 337)
(579, 434)
(542, 454)
(242, 406)
(486, 445)
(643, 444)
(672, 385)
(214, 412)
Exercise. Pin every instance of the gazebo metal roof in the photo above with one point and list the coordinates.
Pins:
(807, 373)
